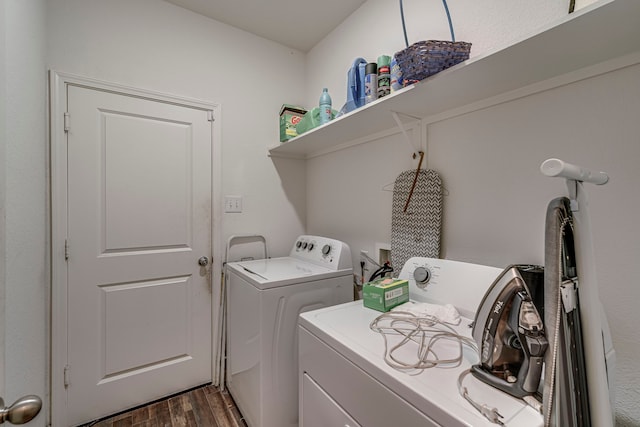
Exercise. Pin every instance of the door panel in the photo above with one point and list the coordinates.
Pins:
(149, 220)
(139, 217)
(129, 345)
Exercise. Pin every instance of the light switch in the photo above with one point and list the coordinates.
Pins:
(233, 204)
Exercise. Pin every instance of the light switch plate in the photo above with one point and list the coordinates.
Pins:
(233, 204)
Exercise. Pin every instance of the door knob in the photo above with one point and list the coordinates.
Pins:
(203, 261)
(22, 411)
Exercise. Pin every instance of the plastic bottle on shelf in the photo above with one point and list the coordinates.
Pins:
(384, 75)
(370, 82)
(325, 107)
(396, 75)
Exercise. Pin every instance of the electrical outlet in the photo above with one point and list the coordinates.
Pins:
(383, 253)
(233, 204)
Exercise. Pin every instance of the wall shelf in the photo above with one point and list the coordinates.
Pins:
(606, 30)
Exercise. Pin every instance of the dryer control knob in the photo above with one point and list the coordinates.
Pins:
(326, 249)
(422, 276)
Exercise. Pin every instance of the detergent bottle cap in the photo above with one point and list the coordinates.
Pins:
(384, 60)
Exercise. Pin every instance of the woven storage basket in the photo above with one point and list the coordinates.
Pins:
(425, 58)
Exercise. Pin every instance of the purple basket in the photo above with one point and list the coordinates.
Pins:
(425, 58)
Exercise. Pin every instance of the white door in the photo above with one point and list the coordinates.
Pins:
(139, 219)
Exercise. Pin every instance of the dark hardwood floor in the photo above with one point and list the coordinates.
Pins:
(201, 407)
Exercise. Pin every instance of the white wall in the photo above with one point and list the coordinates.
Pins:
(376, 29)
(155, 45)
(152, 45)
(489, 161)
(24, 168)
(495, 213)
(3, 166)
(345, 195)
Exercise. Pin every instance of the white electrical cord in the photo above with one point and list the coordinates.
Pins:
(425, 331)
(487, 411)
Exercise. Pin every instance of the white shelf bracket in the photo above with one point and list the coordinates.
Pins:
(572, 187)
(396, 117)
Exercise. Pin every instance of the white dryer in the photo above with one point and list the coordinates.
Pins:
(344, 379)
(265, 299)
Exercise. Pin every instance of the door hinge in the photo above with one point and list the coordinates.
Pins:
(66, 250)
(66, 122)
(66, 376)
(210, 116)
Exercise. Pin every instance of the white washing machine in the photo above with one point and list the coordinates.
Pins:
(265, 299)
(344, 380)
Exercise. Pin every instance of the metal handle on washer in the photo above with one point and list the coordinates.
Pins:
(22, 411)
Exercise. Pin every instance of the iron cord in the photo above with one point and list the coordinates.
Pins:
(488, 412)
(426, 331)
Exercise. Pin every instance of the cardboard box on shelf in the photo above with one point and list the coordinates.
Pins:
(290, 115)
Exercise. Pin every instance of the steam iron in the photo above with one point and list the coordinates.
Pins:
(510, 335)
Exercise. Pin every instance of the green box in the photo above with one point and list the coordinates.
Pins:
(384, 294)
(290, 115)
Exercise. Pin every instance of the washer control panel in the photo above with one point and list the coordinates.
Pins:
(442, 281)
(323, 251)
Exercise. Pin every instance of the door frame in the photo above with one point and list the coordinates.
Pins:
(58, 82)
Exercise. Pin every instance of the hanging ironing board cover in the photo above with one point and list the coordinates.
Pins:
(416, 232)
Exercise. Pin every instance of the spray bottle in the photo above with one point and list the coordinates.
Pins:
(384, 76)
(370, 82)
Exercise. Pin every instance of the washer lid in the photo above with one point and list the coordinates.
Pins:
(274, 272)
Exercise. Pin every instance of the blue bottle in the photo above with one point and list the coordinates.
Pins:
(325, 107)
(396, 75)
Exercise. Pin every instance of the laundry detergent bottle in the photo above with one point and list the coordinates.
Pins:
(325, 107)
